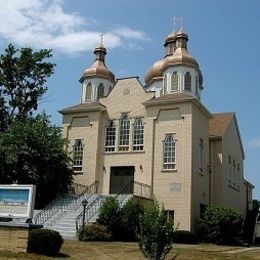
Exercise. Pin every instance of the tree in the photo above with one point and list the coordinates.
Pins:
(155, 235)
(110, 216)
(130, 214)
(23, 74)
(31, 152)
(220, 225)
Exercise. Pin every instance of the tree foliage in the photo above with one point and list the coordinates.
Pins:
(220, 225)
(23, 74)
(31, 152)
(31, 149)
(155, 235)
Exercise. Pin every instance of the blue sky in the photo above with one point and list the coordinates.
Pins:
(224, 38)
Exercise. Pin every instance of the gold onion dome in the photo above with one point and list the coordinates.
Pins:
(99, 68)
(176, 54)
(155, 72)
(181, 55)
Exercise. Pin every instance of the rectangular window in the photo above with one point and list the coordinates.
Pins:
(201, 155)
(170, 215)
(110, 136)
(234, 174)
(169, 152)
(229, 169)
(238, 175)
(138, 138)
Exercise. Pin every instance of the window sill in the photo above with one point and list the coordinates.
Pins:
(78, 172)
(169, 170)
(233, 187)
(123, 152)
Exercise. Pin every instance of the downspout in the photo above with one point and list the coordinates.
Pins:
(210, 170)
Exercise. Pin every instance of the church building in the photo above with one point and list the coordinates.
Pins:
(157, 140)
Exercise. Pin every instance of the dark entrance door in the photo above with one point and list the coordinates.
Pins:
(122, 178)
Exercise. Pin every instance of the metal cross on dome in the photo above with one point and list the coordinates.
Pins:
(177, 20)
(101, 39)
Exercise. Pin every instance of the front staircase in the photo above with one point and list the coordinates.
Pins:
(65, 213)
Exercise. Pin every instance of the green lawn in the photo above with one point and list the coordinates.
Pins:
(119, 250)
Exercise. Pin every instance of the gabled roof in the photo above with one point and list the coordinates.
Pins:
(83, 107)
(218, 124)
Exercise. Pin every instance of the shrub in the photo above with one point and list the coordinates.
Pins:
(184, 237)
(220, 225)
(130, 214)
(44, 242)
(155, 235)
(110, 216)
(95, 232)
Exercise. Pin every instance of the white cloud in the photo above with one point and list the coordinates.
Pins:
(45, 24)
(255, 143)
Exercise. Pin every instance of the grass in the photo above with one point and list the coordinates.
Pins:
(120, 250)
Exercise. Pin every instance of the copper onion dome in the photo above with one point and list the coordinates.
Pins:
(99, 68)
(181, 55)
(155, 72)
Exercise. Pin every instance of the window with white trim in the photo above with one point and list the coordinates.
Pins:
(234, 173)
(110, 136)
(238, 175)
(88, 91)
(77, 155)
(165, 84)
(187, 81)
(138, 138)
(124, 133)
(169, 152)
(100, 92)
(201, 155)
(229, 169)
(174, 81)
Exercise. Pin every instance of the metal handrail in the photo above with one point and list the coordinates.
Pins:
(53, 208)
(80, 188)
(65, 202)
(142, 190)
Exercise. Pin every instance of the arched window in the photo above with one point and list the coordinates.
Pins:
(197, 85)
(187, 81)
(110, 136)
(174, 81)
(88, 91)
(169, 152)
(165, 85)
(100, 92)
(138, 140)
(77, 155)
(124, 133)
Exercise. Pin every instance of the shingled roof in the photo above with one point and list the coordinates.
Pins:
(219, 123)
(84, 107)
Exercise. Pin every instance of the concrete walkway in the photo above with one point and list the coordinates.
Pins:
(241, 250)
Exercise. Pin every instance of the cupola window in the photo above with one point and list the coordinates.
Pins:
(187, 81)
(88, 91)
(165, 85)
(138, 142)
(169, 152)
(174, 81)
(197, 85)
(100, 92)
(124, 133)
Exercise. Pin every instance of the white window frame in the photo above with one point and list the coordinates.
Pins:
(138, 135)
(110, 138)
(169, 152)
(124, 133)
(78, 151)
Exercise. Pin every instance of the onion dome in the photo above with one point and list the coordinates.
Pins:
(155, 72)
(181, 55)
(99, 68)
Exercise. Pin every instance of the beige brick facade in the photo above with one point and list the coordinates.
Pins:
(194, 172)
